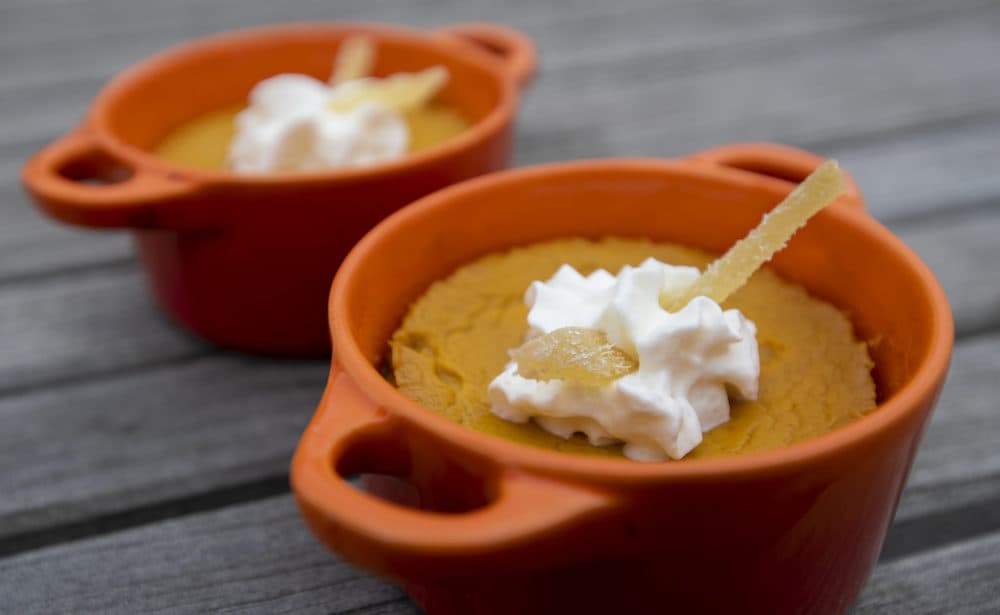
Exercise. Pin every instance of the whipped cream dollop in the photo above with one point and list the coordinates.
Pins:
(687, 361)
(289, 125)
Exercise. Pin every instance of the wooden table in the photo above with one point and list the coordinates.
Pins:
(143, 470)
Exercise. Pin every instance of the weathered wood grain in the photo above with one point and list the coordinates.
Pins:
(255, 558)
(962, 250)
(946, 169)
(90, 322)
(93, 25)
(259, 558)
(953, 490)
(681, 82)
(962, 579)
(31, 245)
(216, 422)
(111, 417)
(903, 178)
(83, 324)
(103, 447)
(72, 328)
(680, 77)
(960, 445)
(865, 82)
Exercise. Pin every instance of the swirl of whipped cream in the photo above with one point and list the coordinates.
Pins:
(686, 360)
(289, 126)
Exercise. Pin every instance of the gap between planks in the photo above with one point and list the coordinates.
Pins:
(905, 538)
(982, 200)
(291, 572)
(689, 58)
(148, 514)
(918, 526)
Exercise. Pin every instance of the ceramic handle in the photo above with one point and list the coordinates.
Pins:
(511, 47)
(782, 162)
(76, 180)
(524, 510)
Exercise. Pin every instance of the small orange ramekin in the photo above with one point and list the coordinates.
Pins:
(507, 528)
(246, 261)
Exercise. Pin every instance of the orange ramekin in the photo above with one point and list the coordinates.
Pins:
(246, 261)
(508, 528)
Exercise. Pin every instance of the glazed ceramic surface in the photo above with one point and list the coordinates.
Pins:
(505, 528)
(247, 261)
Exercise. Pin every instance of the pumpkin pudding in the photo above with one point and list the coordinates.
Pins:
(814, 374)
(297, 123)
(796, 370)
(204, 141)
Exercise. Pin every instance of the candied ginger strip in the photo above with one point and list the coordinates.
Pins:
(354, 60)
(732, 270)
(401, 92)
(577, 354)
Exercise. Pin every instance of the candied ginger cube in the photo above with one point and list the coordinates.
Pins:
(574, 354)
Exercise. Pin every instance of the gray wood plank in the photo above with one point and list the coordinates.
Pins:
(140, 439)
(117, 35)
(109, 409)
(31, 244)
(863, 81)
(48, 87)
(908, 175)
(93, 322)
(904, 177)
(79, 325)
(82, 23)
(962, 579)
(691, 72)
(83, 324)
(658, 54)
(102, 447)
(255, 558)
(958, 464)
(611, 30)
(963, 251)
(259, 558)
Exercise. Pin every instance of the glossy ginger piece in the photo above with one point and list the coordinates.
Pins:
(401, 92)
(728, 273)
(586, 356)
(576, 354)
(354, 60)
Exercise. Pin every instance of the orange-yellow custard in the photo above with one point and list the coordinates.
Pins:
(204, 141)
(815, 375)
